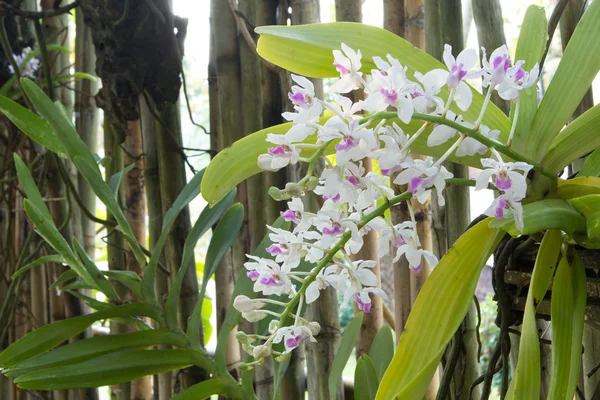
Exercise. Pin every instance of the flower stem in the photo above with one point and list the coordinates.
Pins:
(473, 133)
(514, 122)
(488, 96)
(449, 152)
(331, 253)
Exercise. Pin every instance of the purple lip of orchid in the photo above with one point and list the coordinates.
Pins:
(458, 71)
(290, 215)
(397, 241)
(293, 342)
(391, 96)
(503, 183)
(362, 306)
(416, 94)
(334, 198)
(417, 269)
(335, 230)
(415, 184)
(353, 180)
(299, 99)
(385, 172)
(502, 204)
(520, 74)
(254, 275)
(279, 151)
(503, 60)
(276, 249)
(346, 143)
(341, 69)
(270, 281)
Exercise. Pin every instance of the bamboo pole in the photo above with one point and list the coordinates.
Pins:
(86, 119)
(115, 241)
(487, 15)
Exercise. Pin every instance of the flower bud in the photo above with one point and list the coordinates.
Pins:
(278, 195)
(246, 367)
(248, 348)
(254, 316)
(261, 351)
(245, 339)
(283, 357)
(311, 183)
(273, 325)
(314, 327)
(293, 189)
(245, 304)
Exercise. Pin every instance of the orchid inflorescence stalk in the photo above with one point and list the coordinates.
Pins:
(329, 237)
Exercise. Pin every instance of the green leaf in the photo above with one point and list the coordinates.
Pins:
(526, 380)
(439, 310)
(49, 232)
(542, 215)
(343, 353)
(54, 258)
(589, 206)
(223, 238)
(207, 328)
(51, 335)
(365, 379)
(226, 387)
(307, 50)
(205, 221)
(115, 181)
(130, 279)
(578, 67)
(99, 279)
(30, 187)
(530, 48)
(112, 369)
(189, 193)
(575, 141)
(238, 162)
(60, 123)
(76, 75)
(577, 187)
(591, 165)
(568, 315)
(382, 350)
(32, 125)
(86, 349)
(64, 277)
(243, 285)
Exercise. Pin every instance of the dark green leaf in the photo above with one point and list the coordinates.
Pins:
(129, 279)
(226, 387)
(591, 166)
(115, 181)
(365, 379)
(51, 335)
(223, 238)
(343, 353)
(382, 350)
(112, 369)
(54, 258)
(30, 187)
(99, 279)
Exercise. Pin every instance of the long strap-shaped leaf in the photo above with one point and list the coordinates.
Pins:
(438, 310)
(530, 47)
(224, 237)
(226, 387)
(526, 381)
(577, 69)
(112, 369)
(48, 336)
(568, 314)
(343, 353)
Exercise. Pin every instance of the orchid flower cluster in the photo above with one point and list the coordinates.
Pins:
(331, 237)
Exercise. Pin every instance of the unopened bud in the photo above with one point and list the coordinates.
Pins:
(243, 304)
(245, 339)
(246, 367)
(278, 194)
(254, 316)
(283, 357)
(293, 189)
(314, 327)
(273, 325)
(261, 351)
(311, 183)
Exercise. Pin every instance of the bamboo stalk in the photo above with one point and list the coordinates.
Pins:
(115, 241)
(226, 127)
(487, 15)
(86, 119)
